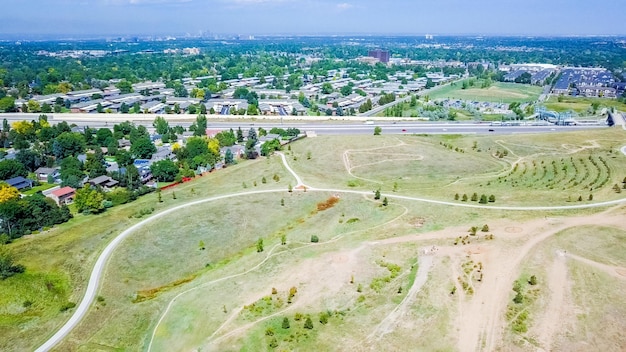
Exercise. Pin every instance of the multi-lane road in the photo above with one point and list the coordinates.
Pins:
(320, 126)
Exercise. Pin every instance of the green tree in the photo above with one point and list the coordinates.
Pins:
(385, 201)
(88, 199)
(104, 136)
(474, 197)
(464, 198)
(142, 148)
(124, 86)
(492, 198)
(239, 135)
(161, 125)
(533, 280)
(377, 130)
(164, 170)
(7, 104)
(228, 157)
(485, 228)
(483, 199)
(12, 168)
(68, 144)
(123, 158)
(327, 88)
(199, 127)
(285, 324)
(259, 245)
(94, 165)
(308, 323)
(377, 194)
(71, 172)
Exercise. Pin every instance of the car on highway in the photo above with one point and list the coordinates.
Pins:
(491, 130)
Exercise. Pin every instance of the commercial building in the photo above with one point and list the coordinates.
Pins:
(381, 55)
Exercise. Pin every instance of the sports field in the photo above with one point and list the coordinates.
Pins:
(498, 92)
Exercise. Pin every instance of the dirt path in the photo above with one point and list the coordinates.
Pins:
(347, 164)
(550, 323)
(386, 326)
(614, 271)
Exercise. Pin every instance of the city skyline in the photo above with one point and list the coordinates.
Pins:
(310, 17)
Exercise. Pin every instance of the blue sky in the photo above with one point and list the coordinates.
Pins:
(486, 17)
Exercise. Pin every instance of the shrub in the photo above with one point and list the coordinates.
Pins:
(324, 318)
(308, 324)
(315, 239)
(519, 298)
(533, 280)
(273, 343)
(67, 306)
(285, 324)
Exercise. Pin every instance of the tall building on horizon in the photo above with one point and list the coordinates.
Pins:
(381, 55)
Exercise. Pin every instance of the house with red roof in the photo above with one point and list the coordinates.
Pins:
(64, 195)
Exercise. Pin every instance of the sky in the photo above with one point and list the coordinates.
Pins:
(311, 17)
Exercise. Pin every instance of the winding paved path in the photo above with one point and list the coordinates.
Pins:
(98, 269)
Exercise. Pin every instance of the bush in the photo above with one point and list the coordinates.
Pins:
(324, 318)
(67, 306)
(7, 267)
(519, 298)
(315, 239)
(308, 324)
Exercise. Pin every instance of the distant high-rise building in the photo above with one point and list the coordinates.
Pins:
(381, 55)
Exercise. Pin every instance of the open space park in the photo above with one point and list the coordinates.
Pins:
(497, 92)
(476, 242)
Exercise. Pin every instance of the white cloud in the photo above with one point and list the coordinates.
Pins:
(344, 6)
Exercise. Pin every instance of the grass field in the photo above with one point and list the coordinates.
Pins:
(498, 92)
(195, 280)
(581, 105)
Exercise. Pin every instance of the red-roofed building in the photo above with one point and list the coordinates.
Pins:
(211, 133)
(63, 195)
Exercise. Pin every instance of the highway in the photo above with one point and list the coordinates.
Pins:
(321, 126)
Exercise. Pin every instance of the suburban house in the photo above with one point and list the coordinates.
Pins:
(20, 183)
(63, 195)
(43, 173)
(106, 182)
(238, 151)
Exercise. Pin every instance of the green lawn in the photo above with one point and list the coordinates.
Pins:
(581, 105)
(498, 92)
(40, 188)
